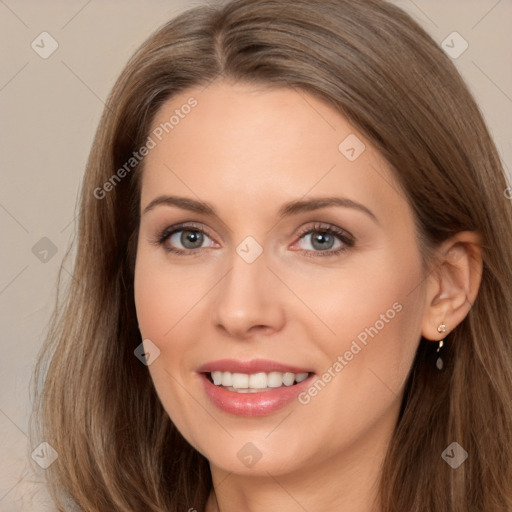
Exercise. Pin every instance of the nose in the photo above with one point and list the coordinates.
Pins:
(249, 300)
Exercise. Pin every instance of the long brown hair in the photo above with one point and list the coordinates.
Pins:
(95, 403)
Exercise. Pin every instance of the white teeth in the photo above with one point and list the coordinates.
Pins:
(301, 376)
(227, 379)
(274, 379)
(258, 381)
(240, 380)
(245, 383)
(288, 378)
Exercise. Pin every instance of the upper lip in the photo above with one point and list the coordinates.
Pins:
(249, 367)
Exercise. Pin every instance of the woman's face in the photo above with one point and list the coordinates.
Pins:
(297, 261)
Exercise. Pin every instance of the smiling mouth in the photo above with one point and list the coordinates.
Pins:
(255, 382)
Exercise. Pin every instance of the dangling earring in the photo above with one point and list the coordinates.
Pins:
(439, 362)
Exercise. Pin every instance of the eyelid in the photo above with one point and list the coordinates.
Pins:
(184, 226)
(322, 226)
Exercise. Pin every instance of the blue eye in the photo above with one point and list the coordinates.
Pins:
(326, 240)
(321, 240)
(189, 237)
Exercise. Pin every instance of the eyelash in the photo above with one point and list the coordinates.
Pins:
(345, 237)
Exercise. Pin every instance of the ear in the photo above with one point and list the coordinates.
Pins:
(453, 285)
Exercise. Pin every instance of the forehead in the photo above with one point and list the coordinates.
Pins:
(259, 146)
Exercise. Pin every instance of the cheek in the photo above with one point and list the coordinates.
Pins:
(162, 302)
(163, 296)
(376, 321)
(152, 304)
(374, 292)
(373, 312)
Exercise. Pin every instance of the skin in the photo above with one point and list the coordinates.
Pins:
(246, 151)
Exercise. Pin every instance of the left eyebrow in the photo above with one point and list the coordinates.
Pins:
(295, 207)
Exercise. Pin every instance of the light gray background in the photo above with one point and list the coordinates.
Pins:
(49, 111)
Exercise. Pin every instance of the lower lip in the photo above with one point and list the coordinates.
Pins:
(253, 404)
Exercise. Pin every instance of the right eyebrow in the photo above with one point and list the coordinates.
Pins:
(182, 202)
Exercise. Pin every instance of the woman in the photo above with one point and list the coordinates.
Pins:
(292, 284)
